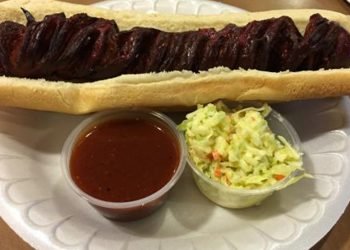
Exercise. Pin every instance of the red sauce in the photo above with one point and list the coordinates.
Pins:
(124, 159)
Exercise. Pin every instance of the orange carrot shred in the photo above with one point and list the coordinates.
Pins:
(217, 172)
(216, 155)
(278, 177)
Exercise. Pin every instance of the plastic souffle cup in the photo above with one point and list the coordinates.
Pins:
(242, 198)
(129, 210)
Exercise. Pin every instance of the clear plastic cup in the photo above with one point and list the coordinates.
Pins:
(131, 210)
(241, 198)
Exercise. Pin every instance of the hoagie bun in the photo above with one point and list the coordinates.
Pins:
(176, 89)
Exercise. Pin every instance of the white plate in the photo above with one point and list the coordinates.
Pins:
(37, 203)
(192, 7)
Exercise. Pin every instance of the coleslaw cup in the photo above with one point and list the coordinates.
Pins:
(241, 198)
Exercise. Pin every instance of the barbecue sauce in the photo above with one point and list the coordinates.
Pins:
(124, 160)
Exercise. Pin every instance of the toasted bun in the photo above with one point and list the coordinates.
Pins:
(172, 89)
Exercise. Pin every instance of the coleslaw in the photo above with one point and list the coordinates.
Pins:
(237, 148)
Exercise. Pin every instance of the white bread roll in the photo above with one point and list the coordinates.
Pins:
(173, 89)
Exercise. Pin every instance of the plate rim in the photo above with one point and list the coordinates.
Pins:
(308, 238)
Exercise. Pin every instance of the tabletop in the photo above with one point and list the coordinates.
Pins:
(339, 236)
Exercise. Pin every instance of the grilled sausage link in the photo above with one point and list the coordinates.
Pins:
(83, 48)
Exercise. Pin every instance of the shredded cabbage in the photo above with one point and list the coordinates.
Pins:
(237, 148)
